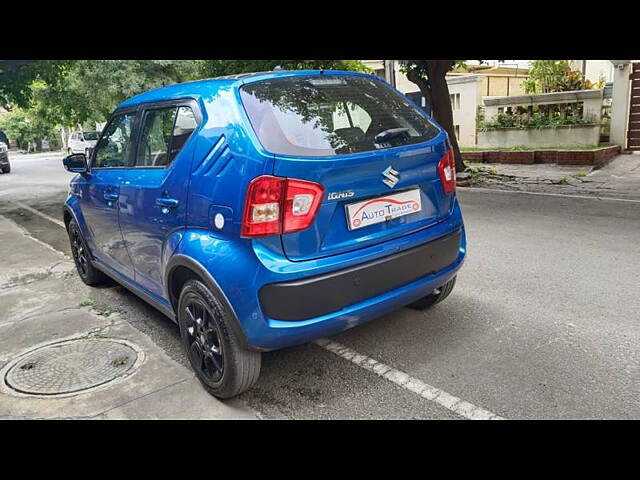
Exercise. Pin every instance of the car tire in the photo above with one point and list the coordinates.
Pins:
(438, 295)
(224, 366)
(6, 169)
(89, 274)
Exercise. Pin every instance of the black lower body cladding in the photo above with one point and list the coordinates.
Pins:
(316, 296)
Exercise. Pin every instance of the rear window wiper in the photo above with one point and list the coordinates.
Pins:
(388, 134)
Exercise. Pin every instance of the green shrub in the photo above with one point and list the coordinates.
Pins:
(535, 120)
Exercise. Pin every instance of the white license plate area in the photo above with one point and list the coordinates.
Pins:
(383, 209)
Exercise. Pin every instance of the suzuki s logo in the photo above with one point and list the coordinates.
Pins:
(391, 177)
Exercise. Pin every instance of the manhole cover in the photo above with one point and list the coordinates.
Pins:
(71, 366)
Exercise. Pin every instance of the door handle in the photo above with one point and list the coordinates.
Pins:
(167, 202)
(110, 196)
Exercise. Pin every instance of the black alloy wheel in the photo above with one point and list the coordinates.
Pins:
(203, 339)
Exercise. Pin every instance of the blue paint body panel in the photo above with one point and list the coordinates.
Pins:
(134, 239)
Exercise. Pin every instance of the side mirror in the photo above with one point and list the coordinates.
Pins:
(76, 163)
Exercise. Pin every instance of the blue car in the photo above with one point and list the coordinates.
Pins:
(265, 210)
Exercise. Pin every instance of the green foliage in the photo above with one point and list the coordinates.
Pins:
(218, 68)
(536, 120)
(27, 129)
(18, 76)
(93, 88)
(546, 76)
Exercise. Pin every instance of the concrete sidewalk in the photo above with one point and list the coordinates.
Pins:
(620, 178)
(24, 258)
(40, 298)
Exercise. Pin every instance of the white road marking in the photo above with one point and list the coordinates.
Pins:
(442, 398)
(38, 212)
(544, 194)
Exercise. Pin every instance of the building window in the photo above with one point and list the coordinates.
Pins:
(455, 101)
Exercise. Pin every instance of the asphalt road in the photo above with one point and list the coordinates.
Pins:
(543, 323)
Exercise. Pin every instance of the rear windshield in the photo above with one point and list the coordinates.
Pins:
(327, 115)
(90, 135)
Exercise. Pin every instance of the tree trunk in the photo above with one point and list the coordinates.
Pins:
(64, 136)
(423, 85)
(442, 113)
(435, 90)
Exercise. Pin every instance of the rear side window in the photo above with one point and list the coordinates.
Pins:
(164, 133)
(185, 125)
(326, 115)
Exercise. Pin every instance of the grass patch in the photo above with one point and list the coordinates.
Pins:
(576, 176)
(85, 303)
(478, 171)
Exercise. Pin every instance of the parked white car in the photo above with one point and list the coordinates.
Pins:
(81, 142)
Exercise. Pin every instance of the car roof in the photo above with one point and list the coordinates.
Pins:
(210, 86)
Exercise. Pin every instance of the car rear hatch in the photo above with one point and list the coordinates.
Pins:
(373, 152)
(359, 179)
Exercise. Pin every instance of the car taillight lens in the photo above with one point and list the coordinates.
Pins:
(447, 172)
(302, 199)
(262, 207)
(276, 205)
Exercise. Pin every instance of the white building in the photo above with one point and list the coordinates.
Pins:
(594, 70)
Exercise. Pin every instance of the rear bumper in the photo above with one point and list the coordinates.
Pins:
(285, 333)
(323, 294)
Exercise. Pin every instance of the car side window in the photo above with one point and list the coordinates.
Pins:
(185, 125)
(113, 148)
(155, 138)
(164, 133)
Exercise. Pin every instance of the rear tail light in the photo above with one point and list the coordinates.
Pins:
(447, 172)
(276, 205)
